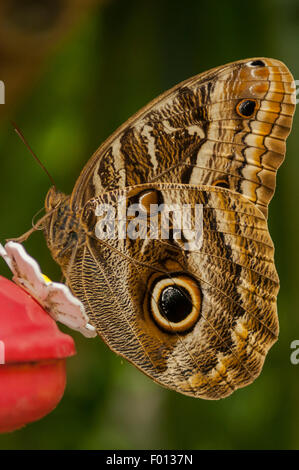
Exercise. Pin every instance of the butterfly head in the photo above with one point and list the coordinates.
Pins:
(54, 199)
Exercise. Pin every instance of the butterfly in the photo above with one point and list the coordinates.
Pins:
(198, 320)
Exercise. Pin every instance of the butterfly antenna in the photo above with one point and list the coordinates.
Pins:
(34, 224)
(18, 131)
(37, 226)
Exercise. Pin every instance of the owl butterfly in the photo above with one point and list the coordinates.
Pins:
(201, 320)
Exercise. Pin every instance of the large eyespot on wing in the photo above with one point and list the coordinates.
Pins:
(229, 123)
(197, 321)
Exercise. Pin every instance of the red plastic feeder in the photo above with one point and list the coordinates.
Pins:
(32, 358)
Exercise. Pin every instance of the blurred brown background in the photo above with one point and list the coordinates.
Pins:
(74, 71)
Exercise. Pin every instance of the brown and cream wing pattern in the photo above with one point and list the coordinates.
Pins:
(225, 127)
(220, 344)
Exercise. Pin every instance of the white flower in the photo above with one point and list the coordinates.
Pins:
(56, 298)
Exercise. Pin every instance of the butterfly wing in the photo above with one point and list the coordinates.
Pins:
(225, 127)
(198, 320)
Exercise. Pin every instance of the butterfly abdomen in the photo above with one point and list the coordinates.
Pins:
(63, 229)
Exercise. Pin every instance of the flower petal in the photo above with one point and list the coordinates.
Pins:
(56, 298)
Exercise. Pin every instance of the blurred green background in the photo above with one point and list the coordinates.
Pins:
(119, 57)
